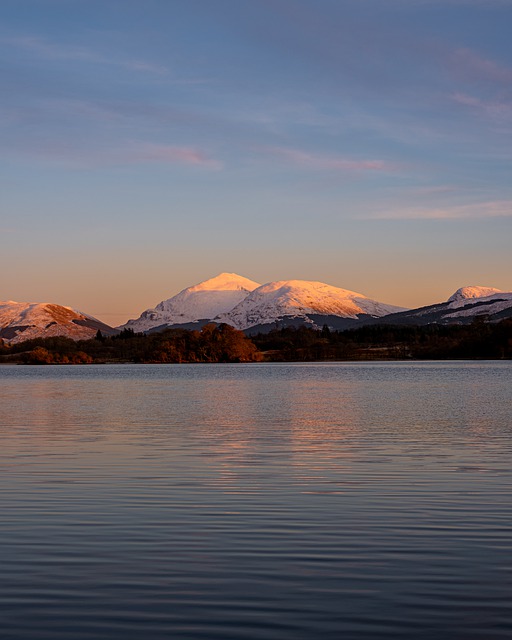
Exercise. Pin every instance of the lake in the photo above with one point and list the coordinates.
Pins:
(260, 501)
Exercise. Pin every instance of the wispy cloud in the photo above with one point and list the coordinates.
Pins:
(482, 210)
(325, 162)
(168, 154)
(498, 110)
(138, 65)
(53, 51)
(472, 66)
(434, 190)
(80, 155)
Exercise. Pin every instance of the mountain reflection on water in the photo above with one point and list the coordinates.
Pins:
(365, 500)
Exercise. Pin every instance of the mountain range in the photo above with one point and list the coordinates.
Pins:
(249, 306)
(252, 307)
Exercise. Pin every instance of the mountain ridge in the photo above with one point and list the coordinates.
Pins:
(249, 306)
(462, 307)
(275, 301)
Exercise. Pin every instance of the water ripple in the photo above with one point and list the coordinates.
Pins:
(365, 501)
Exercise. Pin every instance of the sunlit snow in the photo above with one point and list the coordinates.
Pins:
(25, 320)
(298, 298)
(203, 301)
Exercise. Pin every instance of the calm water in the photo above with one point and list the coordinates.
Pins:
(271, 502)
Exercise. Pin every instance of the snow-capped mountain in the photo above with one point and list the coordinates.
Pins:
(465, 294)
(469, 302)
(462, 307)
(21, 321)
(246, 305)
(203, 301)
(303, 302)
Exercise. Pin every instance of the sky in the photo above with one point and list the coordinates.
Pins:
(147, 146)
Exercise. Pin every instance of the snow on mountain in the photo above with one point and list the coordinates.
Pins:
(203, 301)
(21, 321)
(300, 299)
(462, 307)
(472, 301)
(466, 294)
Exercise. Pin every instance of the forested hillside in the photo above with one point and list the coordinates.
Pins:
(223, 343)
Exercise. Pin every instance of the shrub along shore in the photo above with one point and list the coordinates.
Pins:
(223, 343)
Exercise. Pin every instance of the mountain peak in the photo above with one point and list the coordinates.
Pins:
(469, 293)
(225, 282)
(203, 301)
(299, 299)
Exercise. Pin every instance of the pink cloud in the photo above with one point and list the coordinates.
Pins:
(169, 154)
(326, 162)
(85, 156)
(474, 67)
(491, 209)
(496, 110)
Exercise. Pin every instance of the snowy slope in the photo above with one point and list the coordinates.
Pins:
(25, 320)
(465, 294)
(300, 299)
(462, 307)
(472, 301)
(203, 301)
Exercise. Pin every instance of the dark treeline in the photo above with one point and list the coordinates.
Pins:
(479, 340)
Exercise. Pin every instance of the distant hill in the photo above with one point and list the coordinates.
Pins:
(26, 320)
(466, 304)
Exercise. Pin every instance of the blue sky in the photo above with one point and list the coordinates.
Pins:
(145, 146)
